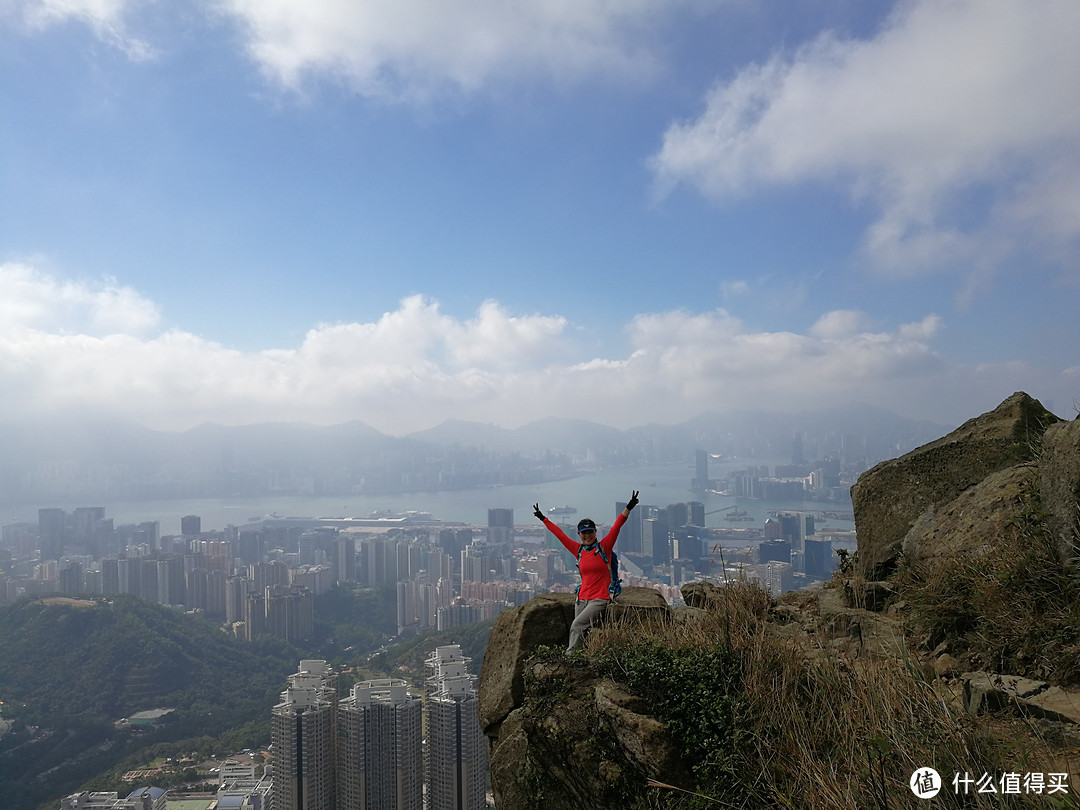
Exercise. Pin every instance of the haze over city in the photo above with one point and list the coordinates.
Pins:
(624, 212)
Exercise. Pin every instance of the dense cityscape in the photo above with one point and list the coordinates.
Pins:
(264, 579)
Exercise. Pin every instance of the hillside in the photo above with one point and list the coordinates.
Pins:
(949, 642)
(70, 669)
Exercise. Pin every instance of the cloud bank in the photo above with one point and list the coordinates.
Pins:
(949, 102)
(409, 50)
(69, 347)
(106, 18)
(412, 48)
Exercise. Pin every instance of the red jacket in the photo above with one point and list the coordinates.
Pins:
(595, 573)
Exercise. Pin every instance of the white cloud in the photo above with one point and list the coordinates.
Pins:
(411, 48)
(949, 102)
(66, 346)
(104, 17)
(839, 324)
(31, 300)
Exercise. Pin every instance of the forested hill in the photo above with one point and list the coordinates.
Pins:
(70, 668)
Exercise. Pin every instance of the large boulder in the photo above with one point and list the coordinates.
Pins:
(577, 741)
(889, 498)
(699, 594)
(1059, 486)
(974, 521)
(638, 605)
(543, 620)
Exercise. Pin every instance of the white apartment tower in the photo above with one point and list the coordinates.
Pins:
(456, 761)
(302, 729)
(380, 751)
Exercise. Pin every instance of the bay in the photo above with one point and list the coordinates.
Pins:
(593, 494)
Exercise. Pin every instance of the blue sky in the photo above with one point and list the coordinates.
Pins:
(636, 211)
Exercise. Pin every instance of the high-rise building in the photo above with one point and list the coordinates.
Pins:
(52, 525)
(344, 559)
(630, 536)
(697, 513)
(375, 566)
(678, 515)
(303, 730)
(476, 562)
(456, 761)
(701, 471)
(379, 747)
(774, 551)
(818, 560)
(655, 538)
(87, 528)
(236, 591)
(500, 528)
(170, 580)
(289, 612)
(191, 525)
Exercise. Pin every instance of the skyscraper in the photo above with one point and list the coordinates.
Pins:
(456, 762)
(302, 730)
(52, 524)
(191, 525)
(701, 471)
(476, 562)
(344, 549)
(500, 528)
(380, 753)
(630, 537)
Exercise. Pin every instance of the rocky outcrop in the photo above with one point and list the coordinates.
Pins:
(578, 741)
(974, 520)
(1059, 485)
(561, 737)
(988, 692)
(544, 621)
(898, 495)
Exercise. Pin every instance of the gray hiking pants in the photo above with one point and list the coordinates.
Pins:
(586, 612)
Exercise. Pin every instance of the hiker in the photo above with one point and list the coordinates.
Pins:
(594, 564)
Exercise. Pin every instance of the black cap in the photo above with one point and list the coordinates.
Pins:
(585, 524)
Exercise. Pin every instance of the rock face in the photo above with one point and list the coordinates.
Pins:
(971, 523)
(1059, 485)
(987, 692)
(905, 493)
(543, 621)
(560, 737)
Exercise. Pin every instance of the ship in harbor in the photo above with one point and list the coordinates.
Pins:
(734, 515)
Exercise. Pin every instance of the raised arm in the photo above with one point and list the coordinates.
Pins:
(608, 542)
(569, 544)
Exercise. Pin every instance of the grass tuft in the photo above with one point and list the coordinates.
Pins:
(767, 721)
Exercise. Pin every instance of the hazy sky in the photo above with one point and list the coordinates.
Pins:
(628, 211)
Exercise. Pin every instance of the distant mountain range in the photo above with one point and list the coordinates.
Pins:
(111, 459)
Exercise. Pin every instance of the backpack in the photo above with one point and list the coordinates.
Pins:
(615, 588)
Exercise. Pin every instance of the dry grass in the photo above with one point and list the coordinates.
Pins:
(824, 730)
(1013, 609)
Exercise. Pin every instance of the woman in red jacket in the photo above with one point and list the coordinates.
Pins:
(594, 567)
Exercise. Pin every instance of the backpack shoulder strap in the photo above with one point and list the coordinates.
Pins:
(592, 547)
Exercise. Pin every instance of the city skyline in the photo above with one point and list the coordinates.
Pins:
(631, 213)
